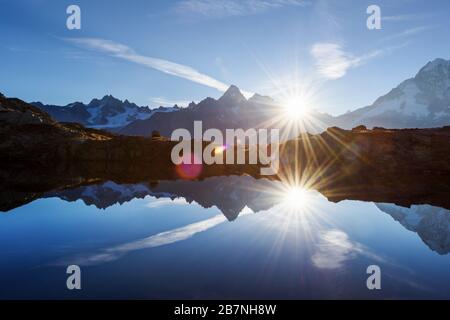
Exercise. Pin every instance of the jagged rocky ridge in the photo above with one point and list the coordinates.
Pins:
(231, 110)
(419, 102)
(106, 113)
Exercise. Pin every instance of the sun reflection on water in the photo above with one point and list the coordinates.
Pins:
(296, 197)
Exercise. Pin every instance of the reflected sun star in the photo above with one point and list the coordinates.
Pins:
(296, 198)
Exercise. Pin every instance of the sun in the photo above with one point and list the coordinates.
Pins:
(295, 107)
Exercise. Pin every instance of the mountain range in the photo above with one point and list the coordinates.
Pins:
(419, 102)
(106, 113)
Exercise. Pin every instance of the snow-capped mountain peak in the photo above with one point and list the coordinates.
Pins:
(105, 113)
(434, 78)
(435, 64)
(422, 101)
(419, 102)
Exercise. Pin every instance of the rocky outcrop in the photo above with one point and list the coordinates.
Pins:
(16, 112)
(30, 135)
(381, 150)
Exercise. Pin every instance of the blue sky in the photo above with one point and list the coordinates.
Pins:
(162, 52)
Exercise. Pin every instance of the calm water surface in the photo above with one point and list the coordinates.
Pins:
(226, 238)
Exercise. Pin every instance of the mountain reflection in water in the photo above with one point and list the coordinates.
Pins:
(232, 195)
(222, 237)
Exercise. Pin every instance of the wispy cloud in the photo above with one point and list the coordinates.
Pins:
(157, 240)
(124, 52)
(333, 62)
(335, 249)
(408, 32)
(230, 8)
(405, 17)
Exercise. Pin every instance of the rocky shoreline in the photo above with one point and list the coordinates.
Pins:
(403, 166)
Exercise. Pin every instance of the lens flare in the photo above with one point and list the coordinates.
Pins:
(188, 169)
(219, 149)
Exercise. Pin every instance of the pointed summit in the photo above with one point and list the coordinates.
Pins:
(107, 99)
(257, 98)
(435, 64)
(110, 97)
(434, 78)
(232, 95)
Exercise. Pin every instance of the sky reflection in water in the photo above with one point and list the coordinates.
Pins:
(299, 246)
